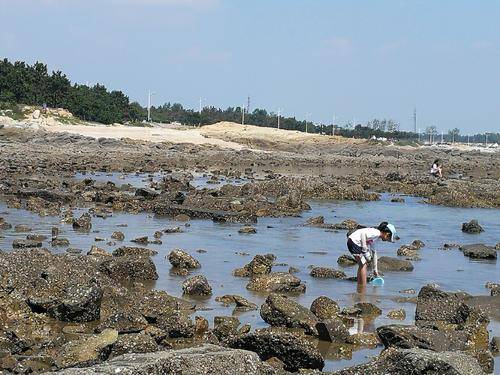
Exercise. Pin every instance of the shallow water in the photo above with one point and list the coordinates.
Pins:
(293, 243)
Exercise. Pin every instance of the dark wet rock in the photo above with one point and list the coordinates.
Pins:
(4, 224)
(87, 351)
(247, 230)
(81, 303)
(197, 285)
(407, 337)
(346, 260)
(181, 259)
(277, 282)
(417, 362)
(491, 285)
(348, 224)
(407, 251)
(158, 234)
(472, 227)
(397, 200)
(225, 327)
(205, 359)
(182, 217)
(259, 265)
(23, 244)
(145, 193)
(134, 343)
(292, 269)
(200, 325)
(172, 230)
(325, 308)
(327, 273)
(367, 309)
(364, 340)
(118, 235)
(399, 314)
(60, 241)
(129, 267)
(436, 305)
(141, 240)
(315, 221)
(351, 311)
(495, 292)
(130, 250)
(97, 251)
(242, 304)
(495, 345)
(293, 351)
(83, 223)
(124, 322)
(21, 228)
(176, 324)
(332, 330)
(152, 304)
(479, 251)
(280, 311)
(388, 264)
(418, 244)
(497, 246)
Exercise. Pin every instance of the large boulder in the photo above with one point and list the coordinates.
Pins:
(132, 250)
(205, 359)
(479, 251)
(437, 305)
(472, 227)
(129, 267)
(197, 285)
(181, 259)
(324, 308)
(176, 324)
(134, 343)
(281, 311)
(332, 330)
(241, 304)
(276, 282)
(83, 223)
(124, 322)
(407, 337)
(88, 350)
(259, 265)
(417, 362)
(293, 351)
(25, 244)
(388, 264)
(327, 273)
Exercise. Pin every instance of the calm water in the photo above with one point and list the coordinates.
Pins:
(293, 243)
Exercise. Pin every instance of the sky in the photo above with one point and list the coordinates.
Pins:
(357, 60)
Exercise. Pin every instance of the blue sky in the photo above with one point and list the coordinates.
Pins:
(355, 59)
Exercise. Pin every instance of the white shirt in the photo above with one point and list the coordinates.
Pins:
(365, 238)
(435, 168)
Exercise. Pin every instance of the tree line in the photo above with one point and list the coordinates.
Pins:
(21, 83)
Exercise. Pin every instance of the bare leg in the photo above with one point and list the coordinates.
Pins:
(361, 277)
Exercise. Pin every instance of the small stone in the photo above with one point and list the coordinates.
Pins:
(200, 325)
(399, 314)
(325, 308)
(197, 285)
(60, 241)
(118, 235)
(472, 227)
(20, 228)
(141, 240)
(327, 273)
(97, 251)
(247, 230)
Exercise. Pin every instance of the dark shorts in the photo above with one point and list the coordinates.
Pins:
(353, 248)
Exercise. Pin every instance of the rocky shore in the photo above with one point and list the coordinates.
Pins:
(95, 313)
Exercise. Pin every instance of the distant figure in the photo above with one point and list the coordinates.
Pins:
(436, 169)
(361, 245)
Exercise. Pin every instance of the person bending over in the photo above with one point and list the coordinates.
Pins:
(361, 244)
(436, 169)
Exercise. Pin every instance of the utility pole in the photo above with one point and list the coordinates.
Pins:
(279, 115)
(415, 120)
(248, 104)
(468, 143)
(485, 140)
(149, 104)
(419, 134)
(442, 135)
(333, 125)
(242, 115)
(200, 108)
(307, 117)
